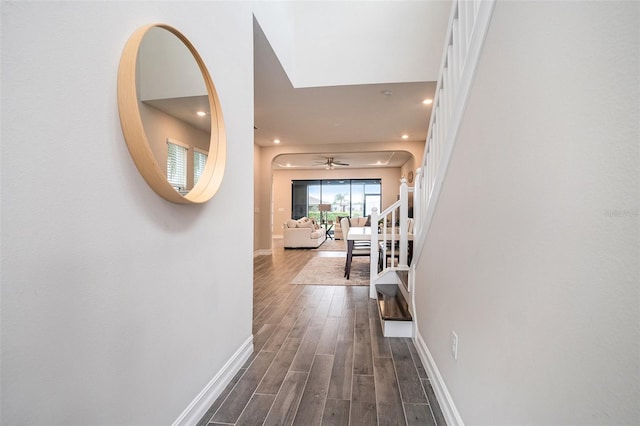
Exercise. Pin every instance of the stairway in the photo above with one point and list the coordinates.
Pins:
(393, 309)
(390, 260)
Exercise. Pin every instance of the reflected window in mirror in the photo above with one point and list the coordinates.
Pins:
(199, 161)
(177, 164)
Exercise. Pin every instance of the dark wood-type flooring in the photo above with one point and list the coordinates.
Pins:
(320, 358)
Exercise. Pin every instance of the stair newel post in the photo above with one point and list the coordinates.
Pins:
(373, 264)
(417, 201)
(404, 216)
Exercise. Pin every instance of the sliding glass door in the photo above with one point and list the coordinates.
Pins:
(305, 198)
(371, 201)
(346, 198)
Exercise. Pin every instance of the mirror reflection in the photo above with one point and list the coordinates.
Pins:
(174, 107)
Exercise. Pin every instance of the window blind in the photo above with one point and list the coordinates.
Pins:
(199, 160)
(176, 165)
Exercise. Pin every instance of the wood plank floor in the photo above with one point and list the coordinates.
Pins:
(320, 358)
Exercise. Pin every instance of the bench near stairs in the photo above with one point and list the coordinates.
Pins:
(393, 309)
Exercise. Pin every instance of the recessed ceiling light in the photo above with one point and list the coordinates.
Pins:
(427, 101)
(201, 113)
(405, 136)
(387, 92)
(276, 141)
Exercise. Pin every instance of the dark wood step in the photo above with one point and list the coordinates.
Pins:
(391, 303)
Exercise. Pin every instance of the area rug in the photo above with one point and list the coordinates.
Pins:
(331, 245)
(330, 271)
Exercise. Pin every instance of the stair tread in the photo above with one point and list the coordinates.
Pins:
(391, 303)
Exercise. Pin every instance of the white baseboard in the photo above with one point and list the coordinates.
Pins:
(199, 406)
(262, 252)
(449, 410)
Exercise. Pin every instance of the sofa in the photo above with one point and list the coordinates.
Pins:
(303, 233)
(355, 221)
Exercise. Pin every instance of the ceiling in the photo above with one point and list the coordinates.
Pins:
(357, 160)
(185, 109)
(326, 116)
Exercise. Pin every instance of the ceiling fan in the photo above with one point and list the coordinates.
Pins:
(330, 163)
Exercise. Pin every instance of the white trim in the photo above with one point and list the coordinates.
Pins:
(199, 406)
(387, 276)
(177, 142)
(201, 151)
(262, 252)
(448, 407)
(411, 301)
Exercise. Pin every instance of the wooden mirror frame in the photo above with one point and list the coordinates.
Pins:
(136, 138)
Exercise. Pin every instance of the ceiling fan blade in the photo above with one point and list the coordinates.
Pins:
(340, 163)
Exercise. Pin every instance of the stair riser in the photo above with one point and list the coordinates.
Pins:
(397, 328)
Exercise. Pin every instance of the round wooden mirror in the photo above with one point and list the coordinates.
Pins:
(171, 116)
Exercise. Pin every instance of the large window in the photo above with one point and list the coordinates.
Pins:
(348, 197)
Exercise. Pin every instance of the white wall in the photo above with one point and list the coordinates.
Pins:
(257, 196)
(116, 305)
(323, 43)
(276, 19)
(533, 255)
(339, 43)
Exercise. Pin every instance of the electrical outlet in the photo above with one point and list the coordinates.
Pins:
(454, 345)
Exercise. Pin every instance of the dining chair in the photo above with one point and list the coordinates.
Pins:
(360, 248)
(395, 259)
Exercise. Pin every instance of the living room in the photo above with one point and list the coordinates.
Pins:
(389, 178)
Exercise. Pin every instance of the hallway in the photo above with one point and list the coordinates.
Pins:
(320, 358)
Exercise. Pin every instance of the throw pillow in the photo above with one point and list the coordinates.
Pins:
(368, 222)
(291, 223)
(307, 224)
